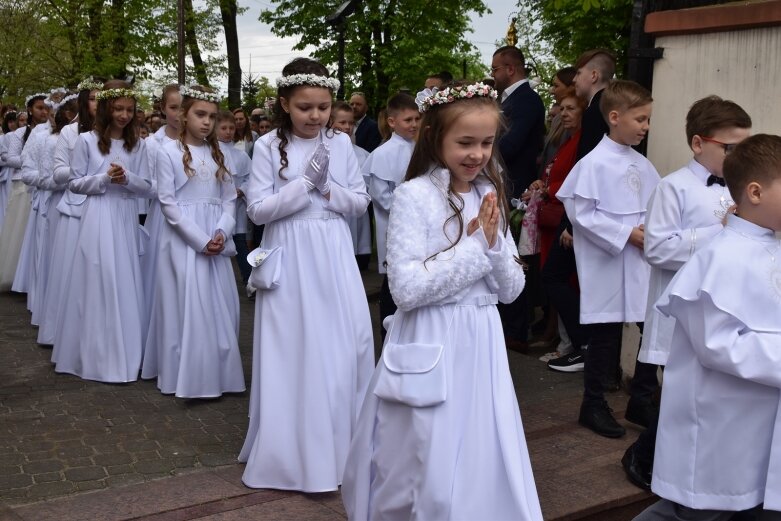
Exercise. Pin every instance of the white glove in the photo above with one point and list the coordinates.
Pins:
(316, 174)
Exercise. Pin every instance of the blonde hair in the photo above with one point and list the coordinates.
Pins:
(623, 95)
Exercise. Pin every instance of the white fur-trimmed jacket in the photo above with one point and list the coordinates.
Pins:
(415, 233)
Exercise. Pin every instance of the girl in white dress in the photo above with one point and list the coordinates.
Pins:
(195, 314)
(440, 434)
(102, 327)
(19, 199)
(9, 126)
(63, 246)
(313, 347)
(240, 169)
(170, 102)
(41, 162)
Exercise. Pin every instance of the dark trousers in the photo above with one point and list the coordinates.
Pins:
(556, 282)
(604, 349)
(240, 239)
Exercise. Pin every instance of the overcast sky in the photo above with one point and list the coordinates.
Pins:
(264, 54)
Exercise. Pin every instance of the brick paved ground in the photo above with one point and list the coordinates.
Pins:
(61, 436)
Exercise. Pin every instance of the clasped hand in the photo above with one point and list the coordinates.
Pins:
(216, 245)
(117, 174)
(487, 219)
(316, 174)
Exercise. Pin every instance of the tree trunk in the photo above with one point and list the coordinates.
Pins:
(192, 43)
(119, 26)
(228, 11)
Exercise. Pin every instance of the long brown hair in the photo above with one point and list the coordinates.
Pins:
(103, 121)
(436, 122)
(246, 133)
(211, 139)
(281, 118)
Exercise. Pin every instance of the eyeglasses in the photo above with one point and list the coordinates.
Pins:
(728, 147)
(494, 69)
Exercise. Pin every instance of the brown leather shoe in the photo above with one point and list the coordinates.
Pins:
(516, 345)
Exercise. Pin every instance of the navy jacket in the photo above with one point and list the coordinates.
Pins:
(367, 135)
(522, 143)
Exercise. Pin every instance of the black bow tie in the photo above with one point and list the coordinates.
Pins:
(712, 179)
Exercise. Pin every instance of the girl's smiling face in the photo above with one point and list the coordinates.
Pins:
(468, 144)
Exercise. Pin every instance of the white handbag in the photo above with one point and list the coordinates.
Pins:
(266, 267)
(412, 374)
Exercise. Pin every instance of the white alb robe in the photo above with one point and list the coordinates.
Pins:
(360, 227)
(465, 458)
(63, 246)
(719, 440)
(102, 329)
(192, 346)
(384, 170)
(605, 196)
(684, 214)
(313, 351)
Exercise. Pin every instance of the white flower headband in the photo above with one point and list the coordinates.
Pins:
(90, 84)
(68, 98)
(314, 80)
(58, 90)
(31, 97)
(427, 98)
(203, 96)
(115, 93)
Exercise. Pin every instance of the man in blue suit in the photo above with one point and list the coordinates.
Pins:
(367, 134)
(524, 113)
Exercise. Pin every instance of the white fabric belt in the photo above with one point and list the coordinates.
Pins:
(315, 216)
(489, 299)
(202, 200)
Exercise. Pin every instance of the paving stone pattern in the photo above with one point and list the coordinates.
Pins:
(62, 436)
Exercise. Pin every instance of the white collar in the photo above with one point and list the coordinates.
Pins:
(509, 90)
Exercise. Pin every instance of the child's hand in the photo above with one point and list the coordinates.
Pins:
(117, 174)
(487, 219)
(637, 236)
(565, 239)
(239, 193)
(216, 245)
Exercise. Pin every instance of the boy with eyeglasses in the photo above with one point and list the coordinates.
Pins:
(687, 209)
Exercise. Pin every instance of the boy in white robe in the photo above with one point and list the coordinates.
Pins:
(605, 197)
(687, 209)
(343, 120)
(718, 449)
(384, 171)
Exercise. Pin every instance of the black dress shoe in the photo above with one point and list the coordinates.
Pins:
(598, 418)
(641, 412)
(637, 473)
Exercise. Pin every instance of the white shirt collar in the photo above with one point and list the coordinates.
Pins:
(357, 124)
(509, 90)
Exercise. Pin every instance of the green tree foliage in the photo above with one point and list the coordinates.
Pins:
(389, 44)
(256, 90)
(59, 42)
(570, 27)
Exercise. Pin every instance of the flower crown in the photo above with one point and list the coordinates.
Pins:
(89, 84)
(203, 96)
(68, 98)
(427, 98)
(31, 97)
(314, 80)
(115, 93)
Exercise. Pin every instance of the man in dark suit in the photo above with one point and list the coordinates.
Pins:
(367, 134)
(524, 113)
